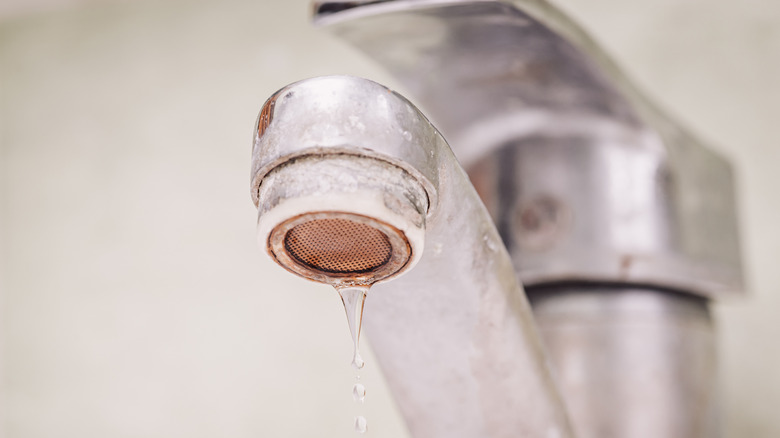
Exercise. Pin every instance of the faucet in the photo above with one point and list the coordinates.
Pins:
(560, 285)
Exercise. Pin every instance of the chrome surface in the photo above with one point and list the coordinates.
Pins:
(631, 362)
(538, 114)
(454, 335)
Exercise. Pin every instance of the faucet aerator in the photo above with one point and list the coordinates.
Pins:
(342, 219)
(341, 246)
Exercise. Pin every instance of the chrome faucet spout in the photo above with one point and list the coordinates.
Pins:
(450, 325)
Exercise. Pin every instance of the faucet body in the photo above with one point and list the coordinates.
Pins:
(549, 129)
(620, 225)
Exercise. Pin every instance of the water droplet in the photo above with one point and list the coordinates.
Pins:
(359, 392)
(353, 298)
(360, 424)
(357, 361)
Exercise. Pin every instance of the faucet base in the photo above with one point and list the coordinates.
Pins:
(650, 355)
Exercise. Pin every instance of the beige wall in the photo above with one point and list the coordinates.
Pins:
(135, 302)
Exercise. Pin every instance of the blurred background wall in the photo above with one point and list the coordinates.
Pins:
(135, 302)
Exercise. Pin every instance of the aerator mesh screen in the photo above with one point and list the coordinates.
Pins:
(338, 246)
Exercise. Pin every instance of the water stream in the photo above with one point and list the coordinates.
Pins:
(354, 297)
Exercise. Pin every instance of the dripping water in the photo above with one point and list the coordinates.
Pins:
(359, 392)
(360, 424)
(354, 297)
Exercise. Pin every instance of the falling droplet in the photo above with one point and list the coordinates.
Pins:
(360, 424)
(353, 298)
(357, 361)
(359, 392)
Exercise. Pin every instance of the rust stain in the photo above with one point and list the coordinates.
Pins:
(626, 260)
(266, 114)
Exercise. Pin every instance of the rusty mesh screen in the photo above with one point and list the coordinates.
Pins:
(338, 246)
